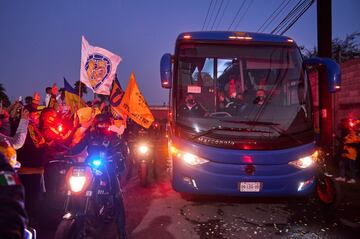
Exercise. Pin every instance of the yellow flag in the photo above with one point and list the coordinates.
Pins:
(134, 105)
(72, 99)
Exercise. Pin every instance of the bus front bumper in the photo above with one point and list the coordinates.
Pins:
(228, 179)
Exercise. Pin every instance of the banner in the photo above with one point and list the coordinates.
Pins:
(134, 105)
(116, 96)
(98, 67)
(72, 99)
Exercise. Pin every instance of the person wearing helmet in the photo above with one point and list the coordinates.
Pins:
(101, 135)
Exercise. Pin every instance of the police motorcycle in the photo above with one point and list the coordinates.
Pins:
(94, 201)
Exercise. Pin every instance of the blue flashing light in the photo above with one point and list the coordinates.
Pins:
(96, 162)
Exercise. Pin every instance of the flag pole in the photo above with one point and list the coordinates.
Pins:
(79, 94)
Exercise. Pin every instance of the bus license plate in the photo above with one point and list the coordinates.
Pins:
(250, 186)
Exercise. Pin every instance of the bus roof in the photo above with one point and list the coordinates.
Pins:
(232, 35)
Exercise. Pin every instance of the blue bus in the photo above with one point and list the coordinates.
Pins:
(241, 117)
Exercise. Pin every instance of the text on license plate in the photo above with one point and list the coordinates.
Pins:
(250, 186)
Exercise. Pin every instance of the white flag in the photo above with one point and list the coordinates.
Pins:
(98, 67)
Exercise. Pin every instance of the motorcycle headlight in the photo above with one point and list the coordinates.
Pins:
(143, 148)
(305, 162)
(79, 178)
(77, 183)
(187, 157)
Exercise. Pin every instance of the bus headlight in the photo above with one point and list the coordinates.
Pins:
(305, 162)
(193, 159)
(187, 157)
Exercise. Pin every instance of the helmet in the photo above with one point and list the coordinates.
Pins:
(101, 124)
(101, 120)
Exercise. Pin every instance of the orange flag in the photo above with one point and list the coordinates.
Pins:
(134, 105)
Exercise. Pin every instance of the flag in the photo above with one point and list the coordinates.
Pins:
(72, 98)
(98, 67)
(134, 105)
(116, 96)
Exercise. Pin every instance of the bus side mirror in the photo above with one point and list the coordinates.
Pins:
(165, 71)
(333, 71)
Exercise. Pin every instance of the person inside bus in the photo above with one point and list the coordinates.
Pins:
(235, 104)
(260, 97)
(191, 108)
(221, 103)
(233, 86)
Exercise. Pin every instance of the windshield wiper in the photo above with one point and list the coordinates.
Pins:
(219, 127)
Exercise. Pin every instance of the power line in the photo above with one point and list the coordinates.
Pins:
(272, 17)
(291, 15)
(207, 14)
(236, 15)
(297, 18)
(222, 14)
(217, 14)
(286, 19)
(211, 14)
(244, 14)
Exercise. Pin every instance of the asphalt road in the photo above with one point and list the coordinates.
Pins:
(157, 211)
(160, 212)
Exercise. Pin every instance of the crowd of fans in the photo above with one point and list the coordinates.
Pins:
(31, 134)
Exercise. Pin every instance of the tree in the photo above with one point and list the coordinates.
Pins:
(342, 50)
(308, 53)
(3, 96)
(83, 88)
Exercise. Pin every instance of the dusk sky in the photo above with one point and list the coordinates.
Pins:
(40, 40)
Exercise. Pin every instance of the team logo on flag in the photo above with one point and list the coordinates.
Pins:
(97, 67)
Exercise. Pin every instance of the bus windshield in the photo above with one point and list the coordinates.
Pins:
(242, 92)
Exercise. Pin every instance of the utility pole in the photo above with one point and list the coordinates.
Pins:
(324, 32)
